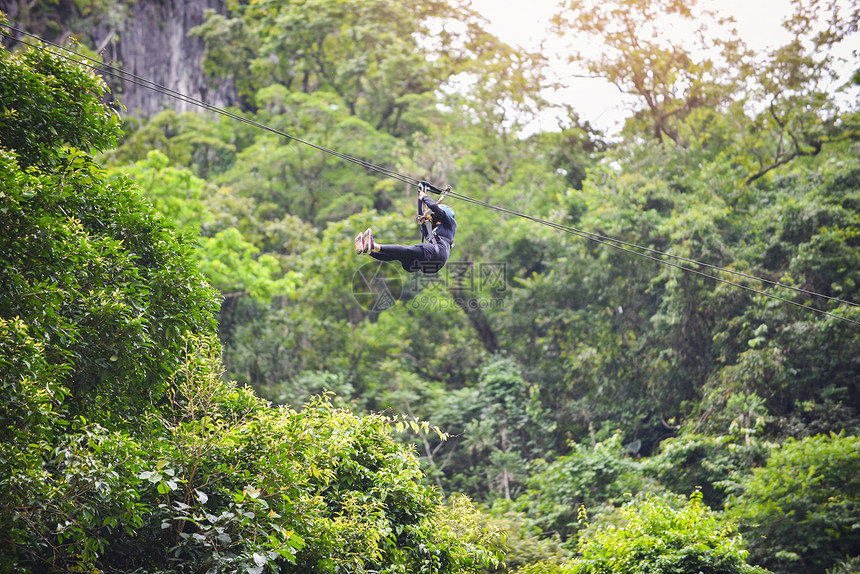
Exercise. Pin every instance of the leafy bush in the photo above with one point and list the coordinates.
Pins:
(802, 510)
(707, 463)
(590, 476)
(233, 483)
(656, 537)
(219, 481)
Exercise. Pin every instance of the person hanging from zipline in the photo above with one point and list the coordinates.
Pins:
(438, 227)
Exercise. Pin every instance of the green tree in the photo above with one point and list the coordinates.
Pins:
(499, 437)
(100, 278)
(637, 54)
(205, 143)
(39, 115)
(655, 535)
(124, 449)
(175, 192)
(588, 476)
(284, 177)
(99, 294)
(801, 229)
(229, 257)
(799, 512)
(373, 55)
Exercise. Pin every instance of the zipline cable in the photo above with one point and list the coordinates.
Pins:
(613, 241)
(614, 244)
(143, 82)
(619, 244)
(149, 84)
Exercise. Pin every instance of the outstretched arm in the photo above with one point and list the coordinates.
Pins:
(421, 196)
(421, 214)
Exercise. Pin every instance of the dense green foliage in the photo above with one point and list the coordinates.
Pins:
(572, 378)
(101, 280)
(801, 509)
(655, 536)
(122, 448)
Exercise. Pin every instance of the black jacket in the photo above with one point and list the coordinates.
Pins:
(445, 225)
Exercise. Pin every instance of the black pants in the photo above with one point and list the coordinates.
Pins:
(425, 257)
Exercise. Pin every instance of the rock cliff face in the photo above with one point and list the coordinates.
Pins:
(155, 45)
(147, 38)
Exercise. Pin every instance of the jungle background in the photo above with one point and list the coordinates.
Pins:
(597, 410)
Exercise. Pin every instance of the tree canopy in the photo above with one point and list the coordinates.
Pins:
(597, 409)
(123, 449)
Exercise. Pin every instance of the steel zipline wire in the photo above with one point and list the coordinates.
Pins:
(632, 248)
(620, 245)
(98, 66)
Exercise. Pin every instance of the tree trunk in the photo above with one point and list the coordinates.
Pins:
(470, 305)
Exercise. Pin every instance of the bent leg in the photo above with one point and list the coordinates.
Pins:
(407, 255)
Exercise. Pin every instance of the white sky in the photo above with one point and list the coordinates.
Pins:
(525, 23)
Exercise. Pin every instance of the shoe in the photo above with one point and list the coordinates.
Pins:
(369, 245)
(359, 244)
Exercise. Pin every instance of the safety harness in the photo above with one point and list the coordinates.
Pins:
(425, 218)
